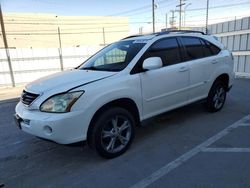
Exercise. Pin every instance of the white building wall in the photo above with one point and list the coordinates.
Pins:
(31, 64)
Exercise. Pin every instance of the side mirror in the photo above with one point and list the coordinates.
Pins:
(152, 63)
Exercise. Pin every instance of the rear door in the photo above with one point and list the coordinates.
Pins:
(202, 63)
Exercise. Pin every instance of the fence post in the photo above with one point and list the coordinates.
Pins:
(60, 49)
(103, 36)
(61, 59)
(6, 48)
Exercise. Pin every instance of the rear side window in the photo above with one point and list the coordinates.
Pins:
(167, 49)
(206, 49)
(194, 48)
(214, 50)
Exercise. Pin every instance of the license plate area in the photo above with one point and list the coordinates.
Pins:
(18, 120)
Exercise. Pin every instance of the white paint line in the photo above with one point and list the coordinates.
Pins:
(11, 144)
(242, 75)
(226, 150)
(183, 158)
(244, 124)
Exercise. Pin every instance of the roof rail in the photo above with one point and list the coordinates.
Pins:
(179, 31)
(131, 36)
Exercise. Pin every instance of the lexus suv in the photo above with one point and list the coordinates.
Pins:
(131, 80)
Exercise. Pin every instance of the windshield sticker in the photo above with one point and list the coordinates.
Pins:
(141, 41)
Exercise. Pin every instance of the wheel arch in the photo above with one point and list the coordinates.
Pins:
(125, 103)
(223, 78)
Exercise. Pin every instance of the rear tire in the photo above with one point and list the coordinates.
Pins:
(216, 97)
(112, 132)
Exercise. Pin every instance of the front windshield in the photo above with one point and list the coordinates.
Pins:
(114, 57)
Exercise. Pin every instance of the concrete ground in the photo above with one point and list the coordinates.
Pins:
(10, 93)
(187, 147)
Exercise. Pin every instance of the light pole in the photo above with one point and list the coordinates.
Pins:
(154, 6)
(180, 11)
(207, 17)
(140, 30)
(184, 20)
(166, 20)
(172, 22)
(153, 15)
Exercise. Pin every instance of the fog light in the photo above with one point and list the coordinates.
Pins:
(26, 121)
(48, 130)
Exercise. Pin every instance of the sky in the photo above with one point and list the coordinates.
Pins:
(138, 11)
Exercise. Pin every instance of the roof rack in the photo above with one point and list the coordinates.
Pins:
(167, 32)
(178, 31)
(131, 36)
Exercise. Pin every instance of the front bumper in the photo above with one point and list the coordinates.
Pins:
(63, 128)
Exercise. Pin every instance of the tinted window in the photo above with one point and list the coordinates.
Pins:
(193, 48)
(167, 49)
(209, 49)
(214, 49)
(206, 49)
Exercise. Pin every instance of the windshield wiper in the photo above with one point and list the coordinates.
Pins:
(90, 68)
(100, 69)
(77, 67)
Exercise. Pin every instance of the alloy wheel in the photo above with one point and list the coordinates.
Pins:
(116, 134)
(219, 97)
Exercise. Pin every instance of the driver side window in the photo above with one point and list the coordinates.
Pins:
(167, 49)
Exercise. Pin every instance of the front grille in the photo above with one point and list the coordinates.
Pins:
(27, 98)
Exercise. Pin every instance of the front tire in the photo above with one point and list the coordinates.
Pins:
(112, 132)
(216, 97)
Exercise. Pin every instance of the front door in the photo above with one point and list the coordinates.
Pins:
(164, 88)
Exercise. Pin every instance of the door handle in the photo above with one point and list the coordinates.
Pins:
(183, 69)
(214, 61)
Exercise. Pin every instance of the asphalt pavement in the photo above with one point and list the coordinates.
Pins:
(187, 147)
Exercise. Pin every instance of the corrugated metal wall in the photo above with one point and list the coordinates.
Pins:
(235, 35)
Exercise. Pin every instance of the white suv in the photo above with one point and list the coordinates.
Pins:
(136, 78)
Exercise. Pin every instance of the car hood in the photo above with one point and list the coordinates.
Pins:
(66, 80)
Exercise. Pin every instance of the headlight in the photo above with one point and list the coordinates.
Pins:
(61, 102)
